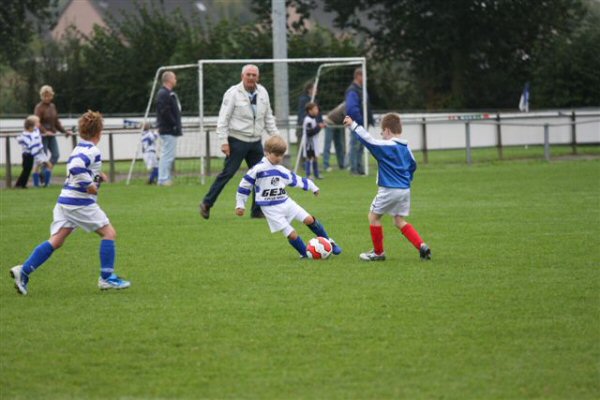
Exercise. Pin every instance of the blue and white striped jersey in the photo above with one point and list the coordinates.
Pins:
(83, 166)
(396, 163)
(149, 142)
(269, 182)
(31, 142)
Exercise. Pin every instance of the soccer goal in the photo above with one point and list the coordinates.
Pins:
(200, 88)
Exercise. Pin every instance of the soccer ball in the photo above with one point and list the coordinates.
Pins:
(318, 248)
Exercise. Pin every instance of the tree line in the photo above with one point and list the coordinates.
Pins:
(422, 54)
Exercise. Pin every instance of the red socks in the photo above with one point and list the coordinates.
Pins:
(411, 234)
(377, 236)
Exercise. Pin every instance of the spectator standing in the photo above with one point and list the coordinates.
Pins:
(354, 109)
(244, 117)
(168, 119)
(46, 111)
(335, 132)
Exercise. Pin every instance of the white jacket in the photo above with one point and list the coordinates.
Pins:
(237, 119)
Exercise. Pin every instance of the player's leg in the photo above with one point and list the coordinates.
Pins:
(376, 229)
(315, 163)
(253, 156)
(39, 256)
(318, 229)
(295, 241)
(47, 166)
(237, 153)
(413, 236)
(108, 279)
(36, 175)
(25, 172)
(339, 142)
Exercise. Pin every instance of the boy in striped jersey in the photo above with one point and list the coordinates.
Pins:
(149, 152)
(77, 207)
(33, 154)
(269, 179)
(396, 167)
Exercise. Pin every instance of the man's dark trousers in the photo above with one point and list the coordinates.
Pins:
(252, 152)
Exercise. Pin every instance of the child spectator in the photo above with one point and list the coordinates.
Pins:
(77, 207)
(396, 167)
(310, 129)
(149, 138)
(33, 154)
(269, 179)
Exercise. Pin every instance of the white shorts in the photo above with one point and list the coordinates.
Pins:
(151, 160)
(89, 218)
(281, 215)
(40, 158)
(391, 201)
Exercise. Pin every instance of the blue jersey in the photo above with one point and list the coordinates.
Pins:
(395, 161)
(83, 166)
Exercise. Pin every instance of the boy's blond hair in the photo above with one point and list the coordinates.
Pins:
(392, 122)
(31, 122)
(46, 89)
(276, 145)
(90, 124)
(147, 126)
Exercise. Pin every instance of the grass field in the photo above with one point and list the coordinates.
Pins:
(508, 308)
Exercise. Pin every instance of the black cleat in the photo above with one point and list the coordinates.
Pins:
(425, 252)
(204, 210)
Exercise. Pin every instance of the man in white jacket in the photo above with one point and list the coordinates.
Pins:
(244, 117)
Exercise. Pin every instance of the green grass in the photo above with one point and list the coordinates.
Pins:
(508, 308)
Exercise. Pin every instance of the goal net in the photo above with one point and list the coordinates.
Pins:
(200, 88)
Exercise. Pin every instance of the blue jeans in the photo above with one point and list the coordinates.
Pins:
(167, 157)
(51, 144)
(338, 136)
(356, 155)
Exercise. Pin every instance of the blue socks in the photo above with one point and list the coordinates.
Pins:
(36, 179)
(153, 175)
(107, 258)
(47, 176)
(39, 256)
(299, 245)
(315, 168)
(307, 168)
(318, 229)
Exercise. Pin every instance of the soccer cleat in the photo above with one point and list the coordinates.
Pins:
(372, 256)
(335, 249)
(204, 210)
(20, 283)
(425, 252)
(113, 282)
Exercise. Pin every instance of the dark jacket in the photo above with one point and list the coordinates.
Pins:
(354, 105)
(168, 112)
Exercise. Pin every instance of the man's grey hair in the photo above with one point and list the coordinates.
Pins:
(167, 75)
(245, 67)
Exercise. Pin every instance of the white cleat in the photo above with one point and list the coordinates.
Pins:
(17, 274)
(113, 282)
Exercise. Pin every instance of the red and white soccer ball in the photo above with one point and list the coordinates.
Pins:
(318, 248)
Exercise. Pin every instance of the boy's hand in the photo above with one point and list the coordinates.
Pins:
(347, 121)
(103, 177)
(92, 189)
(322, 125)
(239, 212)
(316, 193)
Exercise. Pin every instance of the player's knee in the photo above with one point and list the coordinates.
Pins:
(309, 220)
(400, 222)
(292, 235)
(109, 233)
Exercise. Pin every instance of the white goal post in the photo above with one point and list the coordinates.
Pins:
(201, 124)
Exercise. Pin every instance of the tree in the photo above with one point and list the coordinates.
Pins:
(468, 53)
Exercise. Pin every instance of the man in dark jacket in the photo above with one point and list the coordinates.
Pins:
(168, 119)
(354, 109)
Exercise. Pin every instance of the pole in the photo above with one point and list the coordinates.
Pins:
(499, 136)
(468, 142)
(8, 164)
(365, 112)
(424, 140)
(547, 142)
(280, 70)
(111, 155)
(573, 133)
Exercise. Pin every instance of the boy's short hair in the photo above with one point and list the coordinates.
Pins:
(31, 122)
(147, 126)
(276, 145)
(310, 105)
(308, 86)
(46, 89)
(393, 122)
(90, 124)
